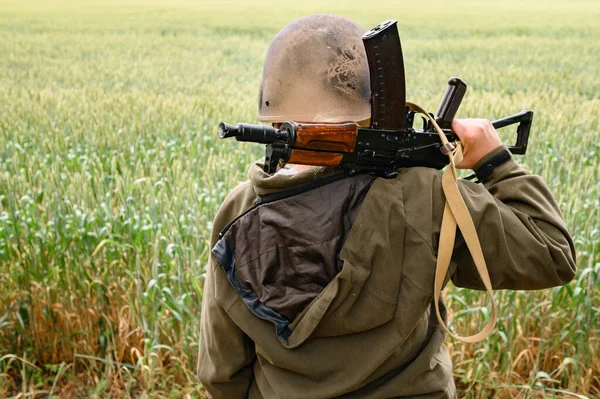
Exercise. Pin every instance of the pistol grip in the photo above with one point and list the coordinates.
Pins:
(450, 102)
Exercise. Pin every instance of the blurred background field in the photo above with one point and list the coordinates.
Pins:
(111, 173)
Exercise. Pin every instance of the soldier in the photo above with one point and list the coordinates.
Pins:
(324, 288)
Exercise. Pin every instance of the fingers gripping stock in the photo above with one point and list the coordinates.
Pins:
(457, 214)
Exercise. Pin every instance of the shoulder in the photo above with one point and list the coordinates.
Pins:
(237, 201)
(417, 180)
(419, 190)
(414, 180)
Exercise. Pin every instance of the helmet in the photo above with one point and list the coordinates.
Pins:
(316, 70)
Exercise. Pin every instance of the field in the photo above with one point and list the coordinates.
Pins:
(111, 173)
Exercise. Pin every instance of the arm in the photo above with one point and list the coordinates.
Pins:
(522, 233)
(226, 354)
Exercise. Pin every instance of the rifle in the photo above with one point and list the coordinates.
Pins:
(391, 141)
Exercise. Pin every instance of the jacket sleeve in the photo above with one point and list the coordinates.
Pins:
(226, 355)
(523, 236)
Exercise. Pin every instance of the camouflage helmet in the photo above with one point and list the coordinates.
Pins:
(316, 71)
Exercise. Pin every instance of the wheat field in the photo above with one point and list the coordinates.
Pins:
(111, 173)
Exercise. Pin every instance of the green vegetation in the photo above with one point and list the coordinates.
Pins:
(111, 173)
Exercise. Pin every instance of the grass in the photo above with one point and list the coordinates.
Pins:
(111, 173)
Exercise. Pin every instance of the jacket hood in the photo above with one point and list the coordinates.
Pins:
(286, 178)
(296, 261)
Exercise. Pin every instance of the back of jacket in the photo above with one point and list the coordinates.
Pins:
(325, 290)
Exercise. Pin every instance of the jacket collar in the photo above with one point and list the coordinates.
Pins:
(285, 178)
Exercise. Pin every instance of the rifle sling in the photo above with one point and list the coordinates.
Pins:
(457, 214)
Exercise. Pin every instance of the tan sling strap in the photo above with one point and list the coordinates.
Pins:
(456, 213)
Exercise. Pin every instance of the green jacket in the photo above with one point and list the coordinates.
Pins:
(328, 292)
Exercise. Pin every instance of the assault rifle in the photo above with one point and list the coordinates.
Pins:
(391, 141)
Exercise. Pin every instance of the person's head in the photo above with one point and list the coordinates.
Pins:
(316, 71)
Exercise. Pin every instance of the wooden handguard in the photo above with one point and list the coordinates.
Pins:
(330, 137)
(323, 144)
(302, 157)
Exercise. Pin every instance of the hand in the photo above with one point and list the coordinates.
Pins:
(478, 137)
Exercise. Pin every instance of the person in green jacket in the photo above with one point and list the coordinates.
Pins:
(324, 287)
